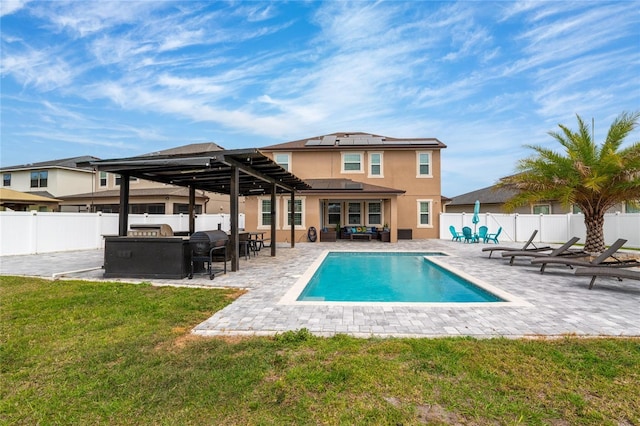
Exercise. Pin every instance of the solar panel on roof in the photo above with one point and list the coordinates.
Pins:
(328, 140)
(313, 142)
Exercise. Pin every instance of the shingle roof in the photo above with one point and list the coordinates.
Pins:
(488, 195)
(194, 148)
(71, 163)
(355, 140)
(11, 196)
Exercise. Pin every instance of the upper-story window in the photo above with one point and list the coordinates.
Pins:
(352, 162)
(283, 159)
(39, 179)
(423, 164)
(6, 179)
(103, 178)
(375, 164)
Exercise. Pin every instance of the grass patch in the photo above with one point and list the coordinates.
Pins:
(110, 353)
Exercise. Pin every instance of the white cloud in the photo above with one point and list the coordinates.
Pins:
(8, 7)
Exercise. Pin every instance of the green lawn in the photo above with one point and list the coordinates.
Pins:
(75, 352)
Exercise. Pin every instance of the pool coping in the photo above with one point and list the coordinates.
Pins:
(291, 295)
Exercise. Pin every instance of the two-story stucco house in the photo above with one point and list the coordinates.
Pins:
(357, 179)
(51, 179)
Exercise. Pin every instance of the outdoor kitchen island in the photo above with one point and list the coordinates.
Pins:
(147, 257)
(154, 251)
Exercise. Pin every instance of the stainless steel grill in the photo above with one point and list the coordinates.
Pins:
(150, 230)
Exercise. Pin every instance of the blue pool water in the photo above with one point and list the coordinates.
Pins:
(389, 277)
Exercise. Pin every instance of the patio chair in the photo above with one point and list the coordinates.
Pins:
(600, 260)
(564, 250)
(608, 271)
(524, 247)
(468, 235)
(482, 233)
(457, 236)
(493, 237)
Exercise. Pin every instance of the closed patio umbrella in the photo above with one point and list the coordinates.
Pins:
(476, 218)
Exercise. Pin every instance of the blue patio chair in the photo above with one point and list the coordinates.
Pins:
(468, 235)
(457, 236)
(482, 233)
(493, 237)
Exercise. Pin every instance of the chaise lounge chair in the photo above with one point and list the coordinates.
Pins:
(564, 251)
(608, 271)
(600, 260)
(525, 247)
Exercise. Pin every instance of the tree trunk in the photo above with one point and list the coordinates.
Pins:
(595, 233)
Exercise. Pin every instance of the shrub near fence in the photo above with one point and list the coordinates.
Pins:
(46, 232)
(552, 228)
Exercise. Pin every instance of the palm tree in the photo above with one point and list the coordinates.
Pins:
(593, 177)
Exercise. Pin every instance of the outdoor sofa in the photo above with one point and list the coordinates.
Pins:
(353, 232)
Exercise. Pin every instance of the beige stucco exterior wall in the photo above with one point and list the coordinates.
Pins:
(399, 171)
(60, 182)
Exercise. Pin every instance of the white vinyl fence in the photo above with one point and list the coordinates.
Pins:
(45, 232)
(552, 228)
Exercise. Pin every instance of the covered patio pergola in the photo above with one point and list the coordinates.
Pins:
(237, 173)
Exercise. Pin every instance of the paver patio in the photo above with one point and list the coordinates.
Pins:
(557, 303)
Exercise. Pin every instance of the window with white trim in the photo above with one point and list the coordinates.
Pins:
(375, 164)
(423, 160)
(298, 213)
(283, 159)
(352, 162)
(374, 213)
(354, 213)
(264, 213)
(424, 213)
(334, 213)
(103, 179)
(6, 179)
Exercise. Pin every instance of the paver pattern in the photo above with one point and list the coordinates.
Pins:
(559, 303)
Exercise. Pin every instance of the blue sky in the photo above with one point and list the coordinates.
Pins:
(117, 79)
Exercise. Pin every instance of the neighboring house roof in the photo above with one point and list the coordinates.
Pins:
(347, 186)
(488, 195)
(143, 192)
(355, 140)
(194, 148)
(11, 196)
(65, 163)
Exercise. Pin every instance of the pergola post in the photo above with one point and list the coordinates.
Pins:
(273, 219)
(233, 208)
(123, 217)
(292, 216)
(192, 209)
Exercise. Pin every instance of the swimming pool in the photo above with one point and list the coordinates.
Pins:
(389, 277)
